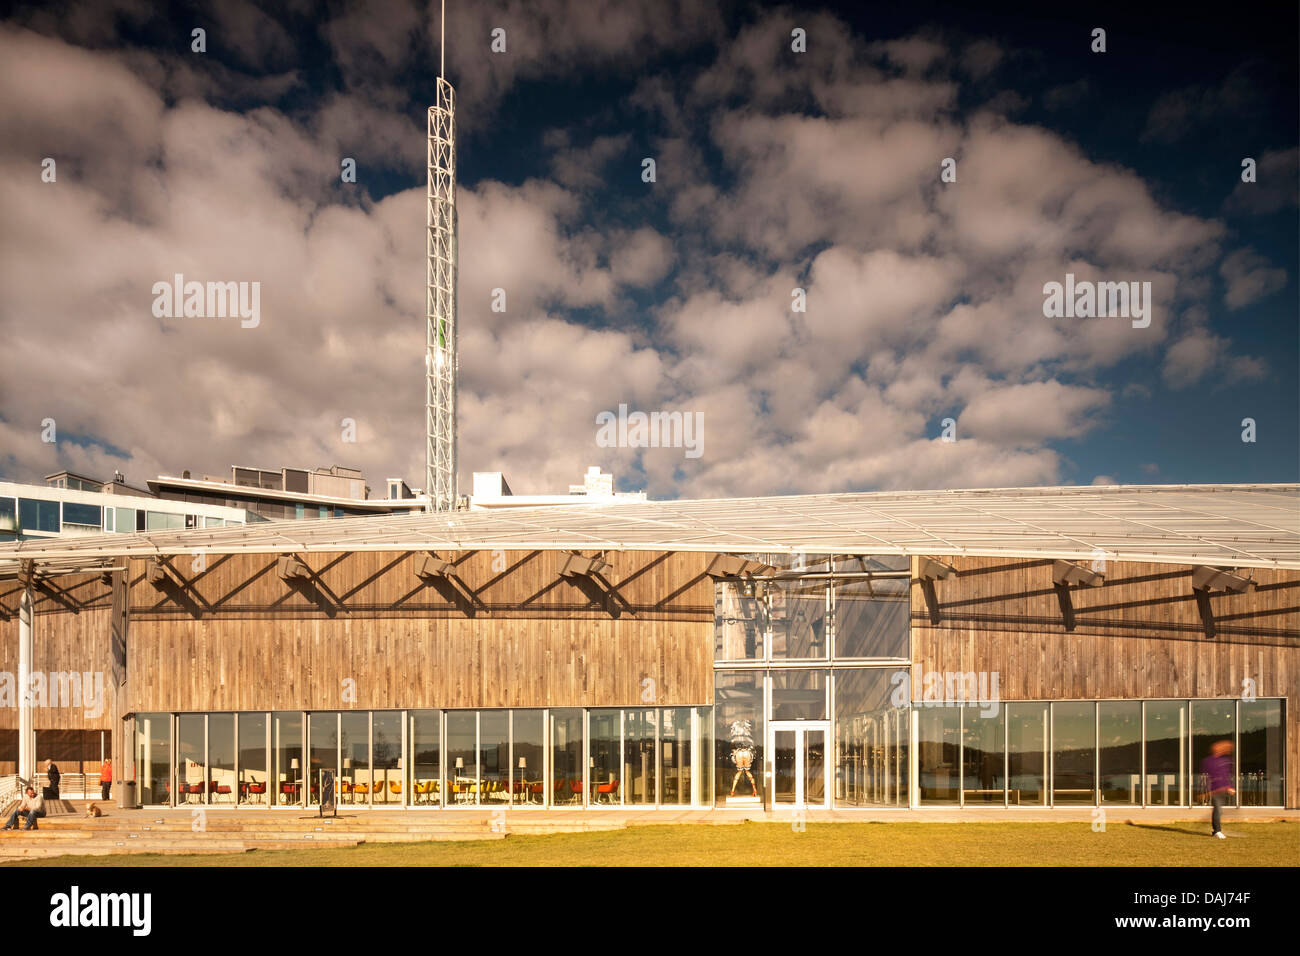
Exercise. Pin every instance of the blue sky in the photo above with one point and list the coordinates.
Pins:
(775, 170)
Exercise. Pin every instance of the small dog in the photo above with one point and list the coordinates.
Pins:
(94, 811)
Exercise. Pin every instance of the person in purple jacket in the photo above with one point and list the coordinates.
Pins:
(1217, 768)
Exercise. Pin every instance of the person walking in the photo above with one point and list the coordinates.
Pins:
(105, 778)
(52, 775)
(31, 807)
(1217, 768)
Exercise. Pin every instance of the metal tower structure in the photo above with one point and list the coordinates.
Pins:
(440, 305)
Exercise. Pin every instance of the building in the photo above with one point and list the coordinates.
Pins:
(1045, 647)
(293, 493)
(491, 490)
(69, 504)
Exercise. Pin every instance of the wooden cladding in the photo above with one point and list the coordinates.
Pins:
(365, 630)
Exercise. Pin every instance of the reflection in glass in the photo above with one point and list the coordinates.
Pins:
(286, 748)
(494, 756)
(1027, 754)
(1166, 756)
(639, 730)
(221, 758)
(1074, 740)
(1119, 750)
(814, 767)
(799, 695)
(785, 766)
(462, 754)
(426, 767)
(798, 620)
(605, 728)
(938, 730)
(356, 783)
(253, 774)
(387, 757)
(323, 739)
(871, 618)
(740, 620)
(738, 736)
(153, 758)
(871, 736)
(1262, 749)
(566, 755)
(529, 756)
(703, 753)
(983, 762)
(1212, 721)
(190, 771)
(675, 753)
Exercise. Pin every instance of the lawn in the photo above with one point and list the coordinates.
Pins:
(822, 844)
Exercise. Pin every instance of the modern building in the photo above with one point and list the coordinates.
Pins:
(292, 493)
(69, 505)
(1044, 647)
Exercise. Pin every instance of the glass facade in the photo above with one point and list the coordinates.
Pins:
(1074, 752)
(871, 737)
(1027, 753)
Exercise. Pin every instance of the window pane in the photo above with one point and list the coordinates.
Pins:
(190, 785)
(494, 755)
(1212, 721)
(153, 758)
(252, 759)
(566, 755)
(639, 728)
(1120, 751)
(740, 616)
(387, 756)
(606, 739)
(221, 758)
(125, 520)
(323, 739)
(799, 695)
(871, 737)
(462, 750)
(1074, 738)
(529, 759)
(1027, 754)
(738, 735)
(798, 620)
(937, 739)
(357, 782)
(36, 514)
(286, 747)
(75, 513)
(871, 618)
(426, 777)
(1262, 748)
(983, 760)
(1166, 733)
(675, 754)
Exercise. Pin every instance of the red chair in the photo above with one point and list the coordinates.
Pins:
(607, 790)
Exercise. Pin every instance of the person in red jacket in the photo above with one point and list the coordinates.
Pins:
(106, 778)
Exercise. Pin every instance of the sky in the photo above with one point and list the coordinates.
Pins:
(922, 357)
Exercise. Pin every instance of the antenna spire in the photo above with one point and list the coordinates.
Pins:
(442, 43)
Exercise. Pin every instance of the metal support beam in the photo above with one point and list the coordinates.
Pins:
(441, 357)
(1207, 580)
(928, 571)
(26, 653)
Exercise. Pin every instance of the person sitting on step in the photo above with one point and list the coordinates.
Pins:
(31, 807)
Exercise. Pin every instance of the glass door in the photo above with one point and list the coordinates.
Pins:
(799, 766)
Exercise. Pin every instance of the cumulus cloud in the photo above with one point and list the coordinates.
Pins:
(1249, 278)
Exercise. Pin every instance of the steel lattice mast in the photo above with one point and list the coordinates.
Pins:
(440, 305)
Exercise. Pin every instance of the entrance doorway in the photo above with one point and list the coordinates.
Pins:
(799, 765)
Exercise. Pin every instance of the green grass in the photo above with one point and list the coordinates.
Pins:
(822, 844)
